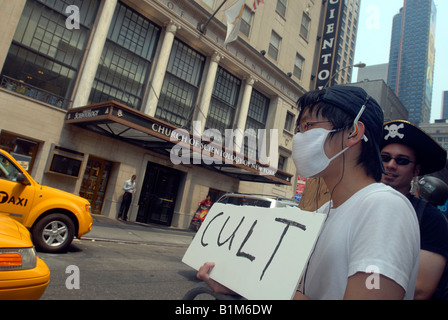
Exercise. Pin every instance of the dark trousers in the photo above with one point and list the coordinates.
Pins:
(125, 204)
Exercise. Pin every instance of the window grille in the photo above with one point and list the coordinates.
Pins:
(223, 103)
(45, 55)
(181, 85)
(126, 59)
(256, 120)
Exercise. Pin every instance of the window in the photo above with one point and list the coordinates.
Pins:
(45, 55)
(23, 150)
(246, 21)
(256, 120)
(181, 85)
(282, 161)
(274, 45)
(65, 161)
(289, 122)
(305, 26)
(281, 7)
(126, 59)
(223, 103)
(298, 66)
(8, 170)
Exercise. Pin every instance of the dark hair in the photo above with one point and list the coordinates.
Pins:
(341, 120)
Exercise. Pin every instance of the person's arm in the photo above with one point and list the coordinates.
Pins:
(430, 271)
(357, 289)
(300, 296)
(125, 186)
(385, 289)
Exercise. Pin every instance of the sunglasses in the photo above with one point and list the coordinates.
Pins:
(399, 161)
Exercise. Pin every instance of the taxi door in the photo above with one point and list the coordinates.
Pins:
(16, 195)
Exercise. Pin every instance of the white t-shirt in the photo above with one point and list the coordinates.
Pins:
(376, 230)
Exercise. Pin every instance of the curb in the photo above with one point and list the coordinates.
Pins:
(151, 243)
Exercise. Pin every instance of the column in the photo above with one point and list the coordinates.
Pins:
(206, 96)
(160, 69)
(9, 19)
(242, 113)
(87, 73)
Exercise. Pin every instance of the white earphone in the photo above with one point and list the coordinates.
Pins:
(355, 131)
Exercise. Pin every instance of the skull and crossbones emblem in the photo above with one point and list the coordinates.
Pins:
(393, 131)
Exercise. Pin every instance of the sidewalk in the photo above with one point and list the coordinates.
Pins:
(108, 229)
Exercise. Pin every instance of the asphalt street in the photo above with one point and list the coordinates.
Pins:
(122, 261)
(108, 229)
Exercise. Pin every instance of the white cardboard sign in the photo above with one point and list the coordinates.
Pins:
(260, 253)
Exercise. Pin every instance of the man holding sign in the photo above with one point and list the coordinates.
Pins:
(369, 245)
(253, 245)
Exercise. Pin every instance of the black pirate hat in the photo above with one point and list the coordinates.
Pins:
(430, 155)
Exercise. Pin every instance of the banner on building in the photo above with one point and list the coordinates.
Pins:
(300, 187)
(329, 43)
(233, 17)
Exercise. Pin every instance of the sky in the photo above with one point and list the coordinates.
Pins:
(373, 41)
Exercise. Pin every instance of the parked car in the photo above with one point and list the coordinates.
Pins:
(23, 275)
(264, 201)
(53, 216)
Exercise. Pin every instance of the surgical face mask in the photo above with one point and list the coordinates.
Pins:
(308, 152)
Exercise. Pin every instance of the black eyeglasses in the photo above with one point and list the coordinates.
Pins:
(399, 160)
(306, 125)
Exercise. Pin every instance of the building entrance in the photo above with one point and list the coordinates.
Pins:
(158, 195)
(94, 182)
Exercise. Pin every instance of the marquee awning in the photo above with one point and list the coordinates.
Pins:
(129, 125)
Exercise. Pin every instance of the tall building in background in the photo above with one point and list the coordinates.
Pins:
(444, 112)
(394, 53)
(412, 53)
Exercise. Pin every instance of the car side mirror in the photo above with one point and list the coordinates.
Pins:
(20, 177)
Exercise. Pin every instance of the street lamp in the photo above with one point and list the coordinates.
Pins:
(358, 65)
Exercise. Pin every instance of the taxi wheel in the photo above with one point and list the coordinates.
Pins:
(53, 233)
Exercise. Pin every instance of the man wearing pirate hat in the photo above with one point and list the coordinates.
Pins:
(408, 152)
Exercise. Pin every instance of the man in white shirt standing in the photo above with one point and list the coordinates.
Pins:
(129, 190)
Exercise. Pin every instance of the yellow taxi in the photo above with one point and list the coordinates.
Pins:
(23, 275)
(54, 217)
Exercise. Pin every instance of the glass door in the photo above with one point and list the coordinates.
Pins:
(158, 196)
(95, 181)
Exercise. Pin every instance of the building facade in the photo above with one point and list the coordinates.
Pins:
(438, 131)
(412, 56)
(392, 107)
(94, 91)
(374, 72)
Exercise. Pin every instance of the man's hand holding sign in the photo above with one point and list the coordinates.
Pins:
(259, 253)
